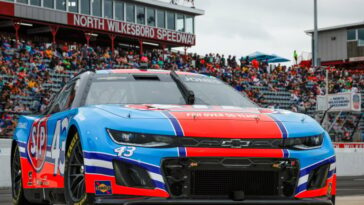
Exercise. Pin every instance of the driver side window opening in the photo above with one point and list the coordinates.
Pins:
(65, 98)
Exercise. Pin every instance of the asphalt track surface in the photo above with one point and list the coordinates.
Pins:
(350, 191)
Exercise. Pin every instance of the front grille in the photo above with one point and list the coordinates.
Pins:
(224, 182)
(230, 143)
(221, 177)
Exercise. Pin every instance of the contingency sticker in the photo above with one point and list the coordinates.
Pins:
(103, 188)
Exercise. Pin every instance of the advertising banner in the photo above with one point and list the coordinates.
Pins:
(349, 102)
(131, 29)
(342, 145)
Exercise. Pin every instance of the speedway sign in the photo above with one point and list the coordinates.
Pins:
(131, 29)
(349, 102)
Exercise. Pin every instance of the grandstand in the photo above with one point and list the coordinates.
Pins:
(31, 73)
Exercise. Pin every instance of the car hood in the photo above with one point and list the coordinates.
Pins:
(218, 121)
(199, 112)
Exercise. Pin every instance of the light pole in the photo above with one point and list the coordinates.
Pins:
(315, 37)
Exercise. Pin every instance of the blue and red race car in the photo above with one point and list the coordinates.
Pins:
(165, 137)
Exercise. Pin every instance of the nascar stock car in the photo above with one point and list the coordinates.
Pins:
(164, 137)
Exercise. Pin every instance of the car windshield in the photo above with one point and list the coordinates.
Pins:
(161, 89)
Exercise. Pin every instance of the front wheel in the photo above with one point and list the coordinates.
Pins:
(17, 190)
(75, 189)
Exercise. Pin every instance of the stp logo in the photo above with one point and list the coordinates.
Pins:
(37, 144)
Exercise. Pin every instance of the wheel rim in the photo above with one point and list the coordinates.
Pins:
(76, 175)
(16, 174)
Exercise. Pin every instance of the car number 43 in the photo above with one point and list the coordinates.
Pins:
(125, 151)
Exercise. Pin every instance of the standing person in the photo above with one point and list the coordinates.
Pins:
(255, 63)
(295, 56)
(242, 62)
(223, 61)
(229, 61)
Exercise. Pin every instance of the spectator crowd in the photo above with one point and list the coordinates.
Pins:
(30, 73)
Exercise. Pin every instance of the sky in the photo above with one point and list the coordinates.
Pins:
(241, 27)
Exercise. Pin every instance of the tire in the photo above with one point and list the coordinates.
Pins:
(333, 200)
(74, 175)
(17, 190)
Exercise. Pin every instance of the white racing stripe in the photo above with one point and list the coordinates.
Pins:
(49, 154)
(200, 106)
(311, 165)
(303, 180)
(98, 163)
(108, 165)
(230, 108)
(156, 177)
(332, 166)
(138, 161)
(22, 149)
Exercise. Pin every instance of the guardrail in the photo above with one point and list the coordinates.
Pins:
(349, 160)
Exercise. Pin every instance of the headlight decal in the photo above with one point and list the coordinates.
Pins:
(304, 143)
(143, 140)
(164, 141)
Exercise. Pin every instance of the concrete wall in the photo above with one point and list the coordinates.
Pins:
(350, 162)
(5, 146)
(333, 45)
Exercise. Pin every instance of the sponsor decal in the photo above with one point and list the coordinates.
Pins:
(125, 151)
(130, 29)
(225, 115)
(30, 178)
(103, 188)
(198, 79)
(37, 143)
(22, 125)
(59, 146)
(329, 189)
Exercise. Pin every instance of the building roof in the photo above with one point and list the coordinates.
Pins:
(183, 9)
(344, 26)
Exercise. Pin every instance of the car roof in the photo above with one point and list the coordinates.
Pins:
(141, 71)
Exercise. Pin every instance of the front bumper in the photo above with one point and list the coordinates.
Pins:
(161, 201)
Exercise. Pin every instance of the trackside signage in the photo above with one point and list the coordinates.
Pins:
(350, 102)
(349, 145)
(130, 29)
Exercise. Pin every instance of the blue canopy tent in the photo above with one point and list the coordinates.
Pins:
(260, 56)
(278, 59)
(267, 57)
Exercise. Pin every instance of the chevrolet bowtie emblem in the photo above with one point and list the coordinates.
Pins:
(235, 143)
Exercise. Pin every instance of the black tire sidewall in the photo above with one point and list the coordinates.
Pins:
(69, 201)
(333, 200)
(20, 200)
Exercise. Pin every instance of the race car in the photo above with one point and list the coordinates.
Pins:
(140, 136)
